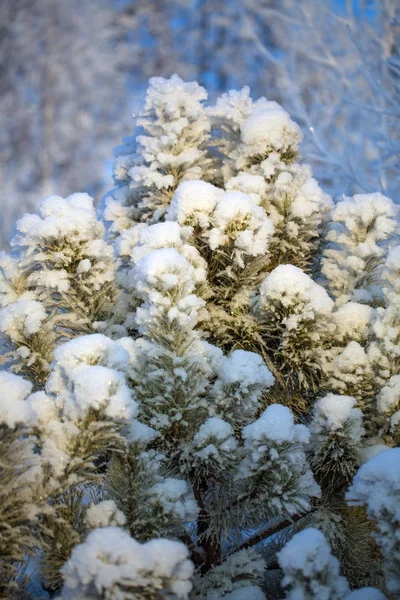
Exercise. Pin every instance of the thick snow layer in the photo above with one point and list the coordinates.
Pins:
(333, 413)
(92, 349)
(254, 185)
(193, 203)
(373, 211)
(72, 218)
(13, 392)
(310, 570)
(277, 424)
(245, 369)
(389, 396)
(238, 218)
(290, 286)
(97, 387)
(104, 514)
(270, 127)
(352, 320)
(376, 486)
(24, 317)
(307, 551)
(352, 358)
(161, 235)
(109, 560)
(214, 428)
(164, 268)
(233, 107)
(176, 499)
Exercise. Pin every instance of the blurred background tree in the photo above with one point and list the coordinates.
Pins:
(71, 72)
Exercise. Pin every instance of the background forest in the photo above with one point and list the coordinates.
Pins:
(72, 72)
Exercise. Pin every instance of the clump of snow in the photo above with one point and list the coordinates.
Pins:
(78, 386)
(73, 218)
(392, 261)
(242, 377)
(254, 185)
(165, 280)
(389, 400)
(334, 414)
(274, 450)
(104, 514)
(245, 369)
(13, 407)
(352, 357)
(376, 486)
(233, 107)
(269, 128)
(310, 570)
(375, 212)
(176, 499)
(160, 235)
(193, 203)
(141, 433)
(292, 288)
(215, 428)
(308, 199)
(93, 349)
(169, 234)
(114, 564)
(215, 440)
(127, 239)
(352, 320)
(22, 318)
(229, 217)
(88, 374)
(163, 269)
(277, 424)
(238, 218)
(359, 232)
(350, 369)
(94, 387)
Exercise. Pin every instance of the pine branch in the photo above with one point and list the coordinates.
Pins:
(210, 544)
(265, 533)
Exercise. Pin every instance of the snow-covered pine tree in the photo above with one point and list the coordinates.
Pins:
(209, 376)
(58, 281)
